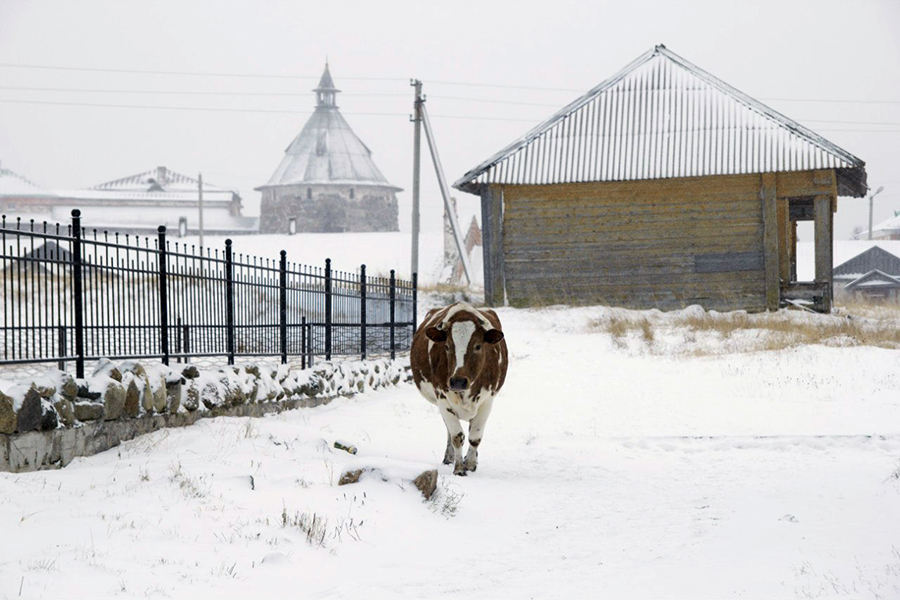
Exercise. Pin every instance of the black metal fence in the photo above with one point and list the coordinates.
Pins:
(69, 294)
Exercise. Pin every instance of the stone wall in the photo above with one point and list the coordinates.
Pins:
(47, 422)
(330, 210)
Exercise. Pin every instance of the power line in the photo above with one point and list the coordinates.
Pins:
(227, 93)
(303, 94)
(188, 73)
(487, 101)
(831, 101)
(434, 82)
(379, 114)
(177, 93)
(191, 108)
(247, 110)
(503, 86)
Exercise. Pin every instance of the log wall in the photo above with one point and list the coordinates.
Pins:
(660, 244)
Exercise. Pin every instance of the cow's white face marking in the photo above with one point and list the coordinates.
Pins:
(462, 332)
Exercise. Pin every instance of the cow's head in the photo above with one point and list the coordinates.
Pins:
(467, 339)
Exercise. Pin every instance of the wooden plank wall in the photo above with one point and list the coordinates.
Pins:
(642, 244)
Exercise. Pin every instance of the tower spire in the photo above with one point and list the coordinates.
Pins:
(326, 92)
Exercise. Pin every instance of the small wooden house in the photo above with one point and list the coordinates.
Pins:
(874, 285)
(661, 187)
(872, 274)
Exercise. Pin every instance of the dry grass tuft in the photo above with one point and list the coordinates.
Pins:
(700, 333)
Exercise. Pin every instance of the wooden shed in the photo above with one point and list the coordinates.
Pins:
(661, 187)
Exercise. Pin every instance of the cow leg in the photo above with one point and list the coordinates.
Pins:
(476, 431)
(448, 453)
(457, 438)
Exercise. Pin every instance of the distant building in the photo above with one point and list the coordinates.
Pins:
(873, 274)
(327, 181)
(661, 187)
(888, 229)
(471, 240)
(24, 199)
(138, 203)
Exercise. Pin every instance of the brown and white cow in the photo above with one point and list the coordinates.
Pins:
(459, 361)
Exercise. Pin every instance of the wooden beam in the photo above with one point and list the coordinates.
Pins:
(793, 251)
(784, 238)
(824, 260)
(768, 195)
(796, 184)
(492, 248)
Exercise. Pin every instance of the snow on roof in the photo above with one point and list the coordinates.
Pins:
(326, 151)
(126, 196)
(874, 278)
(843, 251)
(159, 179)
(887, 226)
(13, 184)
(662, 117)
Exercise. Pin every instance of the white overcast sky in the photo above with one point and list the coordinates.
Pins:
(832, 65)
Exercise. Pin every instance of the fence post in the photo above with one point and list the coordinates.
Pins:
(179, 345)
(303, 342)
(393, 313)
(61, 341)
(229, 302)
(78, 293)
(163, 296)
(327, 309)
(362, 312)
(282, 288)
(415, 294)
(186, 344)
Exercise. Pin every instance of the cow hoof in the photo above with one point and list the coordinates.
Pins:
(448, 461)
(471, 468)
(460, 472)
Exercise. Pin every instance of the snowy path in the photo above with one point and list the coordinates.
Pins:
(604, 473)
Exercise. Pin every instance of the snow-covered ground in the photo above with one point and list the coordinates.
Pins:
(380, 252)
(606, 471)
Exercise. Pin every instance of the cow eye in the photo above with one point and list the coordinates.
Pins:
(478, 346)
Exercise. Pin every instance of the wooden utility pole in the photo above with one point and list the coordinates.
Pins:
(445, 192)
(200, 197)
(417, 147)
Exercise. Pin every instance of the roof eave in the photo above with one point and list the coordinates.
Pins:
(852, 182)
(387, 186)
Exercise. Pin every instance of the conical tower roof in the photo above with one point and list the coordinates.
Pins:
(327, 151)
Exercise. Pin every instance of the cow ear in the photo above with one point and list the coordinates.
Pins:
(436, 335)
(493, 336)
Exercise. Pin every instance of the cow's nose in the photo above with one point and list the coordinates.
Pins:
(458, 384)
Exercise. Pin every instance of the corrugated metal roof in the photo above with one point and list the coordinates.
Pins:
(327, 151)
(663, 117)
(125, 196)
(13, 184)
(158, 180)
(873, 258)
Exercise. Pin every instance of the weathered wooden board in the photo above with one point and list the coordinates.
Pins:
(492, 239)
(768, 193)
(723, 262)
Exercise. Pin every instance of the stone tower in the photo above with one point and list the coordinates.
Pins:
(327, 180)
